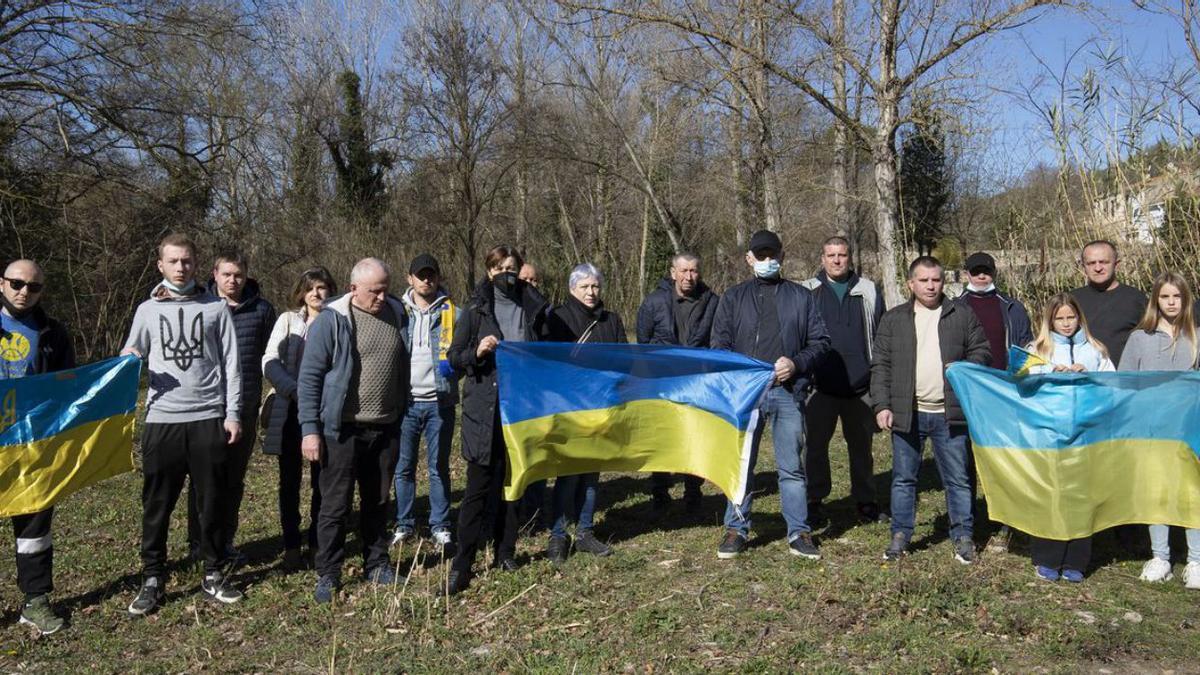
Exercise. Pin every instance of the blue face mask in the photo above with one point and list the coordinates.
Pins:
(766, 269)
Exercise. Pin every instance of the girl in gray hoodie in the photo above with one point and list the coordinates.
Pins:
(1166, 340)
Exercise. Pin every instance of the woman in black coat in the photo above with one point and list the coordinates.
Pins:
(502, 308)
(582, 318)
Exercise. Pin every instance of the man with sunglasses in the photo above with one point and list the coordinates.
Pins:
(32, 343)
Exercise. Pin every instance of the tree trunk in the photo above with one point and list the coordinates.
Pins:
(883, 153)
(841, 184)
(762, 91)
(645, 244)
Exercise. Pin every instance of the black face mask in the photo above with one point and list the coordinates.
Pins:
(506, 283)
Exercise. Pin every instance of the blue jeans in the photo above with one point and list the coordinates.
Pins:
(574, 498)
(787, 432)
(1161, 547)
(950, 454)
(437, 423)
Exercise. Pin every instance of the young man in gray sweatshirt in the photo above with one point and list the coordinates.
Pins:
(192, 416)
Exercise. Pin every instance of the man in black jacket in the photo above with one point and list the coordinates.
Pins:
(253, 319)
(774, 320)
(679, 312)
(915, 343)
(851, 307)
(31, 343)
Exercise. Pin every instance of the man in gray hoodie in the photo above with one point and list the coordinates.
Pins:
(192, 416)
(432, 397)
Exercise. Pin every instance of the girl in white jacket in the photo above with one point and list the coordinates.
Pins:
(1064, 341)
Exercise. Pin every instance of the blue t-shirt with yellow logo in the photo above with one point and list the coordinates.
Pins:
(18, 346)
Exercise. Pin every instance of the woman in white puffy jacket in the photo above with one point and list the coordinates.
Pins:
(281, 364)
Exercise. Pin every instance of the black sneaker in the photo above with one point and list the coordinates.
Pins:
(898, 548)
(507, 565)
(964, 550)
(457, 582)
(588, 543)
(816, 516)
(293, 560)
(732, 545)
(556, 550)
(804, 546)
(148, 598)
(327, 586)
(217, 587)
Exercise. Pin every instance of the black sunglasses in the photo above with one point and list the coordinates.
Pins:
(18, 284)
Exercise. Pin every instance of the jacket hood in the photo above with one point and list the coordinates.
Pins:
(435, 306)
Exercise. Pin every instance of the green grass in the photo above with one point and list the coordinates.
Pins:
(663, 602)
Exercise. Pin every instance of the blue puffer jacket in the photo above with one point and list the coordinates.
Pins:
(656, 317)
(805, 339)
(253, 320)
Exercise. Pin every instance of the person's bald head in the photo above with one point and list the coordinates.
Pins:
(369, 282)
(22, 285)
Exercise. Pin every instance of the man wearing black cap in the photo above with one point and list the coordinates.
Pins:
(1004, 318)
(1006, 323)
(776, 321)
(432, 397)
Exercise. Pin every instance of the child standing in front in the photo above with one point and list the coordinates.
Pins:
(1063, 340)
(1166, 340)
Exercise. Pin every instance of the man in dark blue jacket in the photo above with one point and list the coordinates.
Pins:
(679, 312)
(851, 307)
(774, 320)
(253, 319)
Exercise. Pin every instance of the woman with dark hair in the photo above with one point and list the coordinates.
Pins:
(582, 318)
(281, 364)
(502, 308)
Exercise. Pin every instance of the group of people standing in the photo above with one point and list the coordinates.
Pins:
(357, 380)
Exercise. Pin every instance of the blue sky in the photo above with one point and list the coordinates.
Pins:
(1150, 42)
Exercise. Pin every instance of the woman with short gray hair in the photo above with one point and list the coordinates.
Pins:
(582, 318)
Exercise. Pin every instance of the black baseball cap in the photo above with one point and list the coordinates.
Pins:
(980, 259)
(765, 239)
(424, 262)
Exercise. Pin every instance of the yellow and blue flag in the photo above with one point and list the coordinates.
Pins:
(1065, 455)
(577, 408)
(60, 432)
(1021, 361)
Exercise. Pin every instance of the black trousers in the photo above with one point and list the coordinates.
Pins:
(171, 453)
(35, 553)
(661, 482)
(1057, 554)
(483, 499)
(291, 474)
(363, 455)
(239, 461)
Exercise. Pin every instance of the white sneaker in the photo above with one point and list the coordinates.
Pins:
(442, 538)
(1191, 576)
(401, 536)
(1157, 570)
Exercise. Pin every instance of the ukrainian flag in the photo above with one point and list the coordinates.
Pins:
(1062, 456)
(1021, 361)
(61, 432)
(571, 409)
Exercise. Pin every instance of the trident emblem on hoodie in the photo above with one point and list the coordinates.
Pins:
(178, 349)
